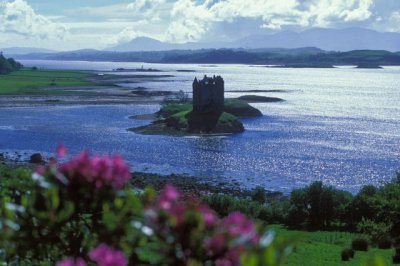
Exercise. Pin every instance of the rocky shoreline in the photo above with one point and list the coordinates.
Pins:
(188, 185)
(191, 185)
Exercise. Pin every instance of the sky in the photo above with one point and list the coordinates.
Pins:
(99, 24)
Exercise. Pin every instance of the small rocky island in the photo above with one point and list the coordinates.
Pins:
(369, 65)
(209, 113)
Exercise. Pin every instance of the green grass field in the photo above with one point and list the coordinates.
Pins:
(324, 248)
(182, 118)
(28, 81)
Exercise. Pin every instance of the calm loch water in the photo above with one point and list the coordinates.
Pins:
(340, 126)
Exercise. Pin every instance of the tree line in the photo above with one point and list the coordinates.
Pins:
(374, 211)
(8, 65)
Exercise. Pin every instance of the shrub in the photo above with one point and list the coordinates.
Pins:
(318, 206)
(359, 244)
(82, 212)
(225, 204)
(385, 243)
(259, 194)
(396, 258)
(387, 201)
(351, 252)
(347, 254)
(378, 232)
(361, 206)
(275, 211)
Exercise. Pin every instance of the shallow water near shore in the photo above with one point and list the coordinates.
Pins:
(341, 126)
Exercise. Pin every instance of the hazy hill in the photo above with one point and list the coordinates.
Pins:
(299, 57)
(24, 50)
(326, 39)
(146, 44)
(143, 44)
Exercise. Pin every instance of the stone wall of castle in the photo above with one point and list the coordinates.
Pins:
(208, 95)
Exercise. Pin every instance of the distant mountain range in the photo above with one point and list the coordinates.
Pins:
(299, 57)
(327, 39)
(310, 48)
(24, 50)
(348, 39)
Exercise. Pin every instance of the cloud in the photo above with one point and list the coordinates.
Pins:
(190, 20)
(126, 35)
(18, 17)
(99, 24)
(389, 21)
(328, 13)
(144, 6)
(394, 22)
(152, 10)
(108, 11)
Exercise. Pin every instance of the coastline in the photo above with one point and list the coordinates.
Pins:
(188, 185)
(92, 89)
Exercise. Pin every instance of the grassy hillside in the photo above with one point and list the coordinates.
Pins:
(324, 248)
(28, 81)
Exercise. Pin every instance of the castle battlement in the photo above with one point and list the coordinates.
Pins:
(208, 95)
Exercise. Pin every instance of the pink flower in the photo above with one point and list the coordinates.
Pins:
(167, 197)
(231, 258)
(238, 224)
(98, 171)
(61, 151)
(72, 262)
(107, 256)
(178, 212)
(233, 255)
(223, 262)
(170, 193)
(208, 215)
(216, 244)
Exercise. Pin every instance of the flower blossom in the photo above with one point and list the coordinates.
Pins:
(104, 255)
(72, 262)
(209, 216)
(239, 225)
(61, 151)
(100, 171)
(167, 197)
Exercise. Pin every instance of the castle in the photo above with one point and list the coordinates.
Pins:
(208, 104)
(208, 95)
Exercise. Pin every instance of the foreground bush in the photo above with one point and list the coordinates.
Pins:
(347, 254)
(385, 243)
(359, 244)
(83, 213)
(396, 258)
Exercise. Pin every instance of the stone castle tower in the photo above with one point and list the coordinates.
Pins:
(208, 95)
